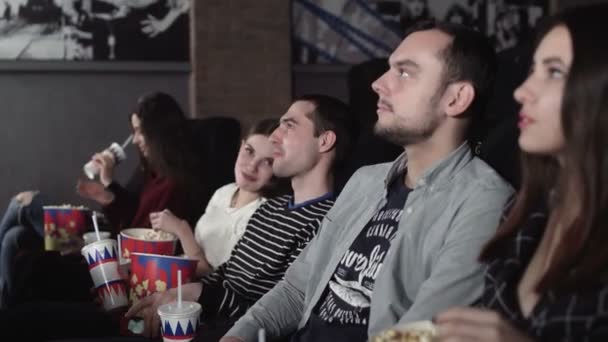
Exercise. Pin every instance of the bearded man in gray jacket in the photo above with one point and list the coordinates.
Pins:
(401, 242)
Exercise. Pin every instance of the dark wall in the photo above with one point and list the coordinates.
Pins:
(53, 118)
(241, 58)
(321, 79)
(562, 4)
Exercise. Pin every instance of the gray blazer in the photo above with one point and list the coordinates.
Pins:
(431, 265)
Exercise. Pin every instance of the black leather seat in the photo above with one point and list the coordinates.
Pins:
(368, 149)
(218, 140)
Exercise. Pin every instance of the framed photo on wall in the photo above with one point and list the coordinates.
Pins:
(353, 31)
(94, 30)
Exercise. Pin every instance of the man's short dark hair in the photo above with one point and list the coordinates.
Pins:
(331, 114)
(469, 57)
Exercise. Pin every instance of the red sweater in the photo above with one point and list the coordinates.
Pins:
(133, 210)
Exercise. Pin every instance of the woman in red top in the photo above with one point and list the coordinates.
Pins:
(170, 175)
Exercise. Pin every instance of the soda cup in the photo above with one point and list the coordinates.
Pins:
(91, 170)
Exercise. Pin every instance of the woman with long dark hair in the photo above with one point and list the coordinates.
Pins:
(547, 277)
(169, 177)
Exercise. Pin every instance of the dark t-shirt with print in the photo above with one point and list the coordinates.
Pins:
(342, 312)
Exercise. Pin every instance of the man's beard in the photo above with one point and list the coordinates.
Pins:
(402, 135)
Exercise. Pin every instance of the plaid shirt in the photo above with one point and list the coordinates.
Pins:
(574, 316)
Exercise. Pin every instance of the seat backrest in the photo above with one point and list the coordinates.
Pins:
(500, 148)
(218, 140)
(368, 149)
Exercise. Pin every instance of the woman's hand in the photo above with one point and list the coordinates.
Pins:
(468, 324)
(166, 221)
(94, 191)
(105, 162)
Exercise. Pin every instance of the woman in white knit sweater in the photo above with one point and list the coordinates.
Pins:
(225, 218)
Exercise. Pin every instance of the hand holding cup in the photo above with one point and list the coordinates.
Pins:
(105, 161)
(147, 310)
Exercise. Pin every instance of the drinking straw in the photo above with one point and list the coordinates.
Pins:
(120, 258)
(179, 289)
(261, 335)
(127, 141)
(96, 226)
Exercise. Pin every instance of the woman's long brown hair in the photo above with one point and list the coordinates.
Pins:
(579, 186)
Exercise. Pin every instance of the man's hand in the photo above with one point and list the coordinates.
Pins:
(147, 307)
(467, 324)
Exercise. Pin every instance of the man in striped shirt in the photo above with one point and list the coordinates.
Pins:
(311, 143)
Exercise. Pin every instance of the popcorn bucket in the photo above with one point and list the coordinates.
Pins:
(139, 240)
(64, 226)
(152, 273)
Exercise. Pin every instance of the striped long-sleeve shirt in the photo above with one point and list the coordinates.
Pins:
(275, 235)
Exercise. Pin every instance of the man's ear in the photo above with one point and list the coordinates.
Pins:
(327, 141)
(459, 96)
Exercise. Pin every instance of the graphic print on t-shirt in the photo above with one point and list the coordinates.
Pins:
(347, 298)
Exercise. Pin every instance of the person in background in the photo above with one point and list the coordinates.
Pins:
(400, 243)
(169, 176)
(310, 145)
(149, 29)
(414, 11)
(547, 276)
(226, 216)
(153, 26)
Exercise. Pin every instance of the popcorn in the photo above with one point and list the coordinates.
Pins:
(405, 336)
(67, 206)
(50, 227)
(423, 331)
(161, 286)
(156, 235)
(139, 290)
(132, 295)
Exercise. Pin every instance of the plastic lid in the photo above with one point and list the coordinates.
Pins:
(187, 309)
